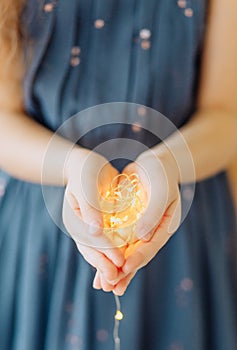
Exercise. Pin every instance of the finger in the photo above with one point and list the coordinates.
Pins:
(105, 285)
(132, 169)
(135, 257)
(175, 216)
(71, 199)
(121, 287)
(74, 205)
(99, 261)
(120, 276)
(154, 211)
(145, 252)
(78, 231)
(113, 254)
(106, 176)
(142, 252)
(91, 187)
(101, 283)
(155, 183)
(87, 196)
(96, 281)
(91, 216)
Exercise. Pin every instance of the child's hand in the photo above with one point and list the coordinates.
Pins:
(86, 173)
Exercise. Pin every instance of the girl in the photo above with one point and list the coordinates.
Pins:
(178, 57)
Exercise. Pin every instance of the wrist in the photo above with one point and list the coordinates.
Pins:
(75, 156)
(168, 161)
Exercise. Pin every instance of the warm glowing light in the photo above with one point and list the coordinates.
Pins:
(122, 206)
(119, 315)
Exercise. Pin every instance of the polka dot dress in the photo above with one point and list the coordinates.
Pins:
(89, 52)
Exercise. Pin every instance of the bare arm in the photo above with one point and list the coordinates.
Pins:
(233, 181)
(23, 142)
(210, 136)
(211, 133)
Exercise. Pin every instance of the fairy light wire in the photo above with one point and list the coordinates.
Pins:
(122, 206)
(117, 318)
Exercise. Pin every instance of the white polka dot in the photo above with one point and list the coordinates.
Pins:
(102, 335)
(145, 34)
(69, 307)
(75, 51)
(74, 340)
(49, 7)
(176, 346)
(188, 12)
(181, 3)
(141, 111)
(75, 61)
(99, 23)
(136, 127)
(145, 44)
(186, 284)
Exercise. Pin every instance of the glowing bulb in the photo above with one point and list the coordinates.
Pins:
(118, 316)
(122, 206)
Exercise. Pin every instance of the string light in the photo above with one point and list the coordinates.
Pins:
(117, 318)
(119, 315)
(122, 206)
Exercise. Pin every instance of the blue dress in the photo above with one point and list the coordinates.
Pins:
(88, 52)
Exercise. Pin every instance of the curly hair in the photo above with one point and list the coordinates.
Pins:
(11, 33)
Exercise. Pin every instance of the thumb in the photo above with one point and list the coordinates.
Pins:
(154, 186)
(91, 214)
(175, 212)
(87, 212)
(155, 209)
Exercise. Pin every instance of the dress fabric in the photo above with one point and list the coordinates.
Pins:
(88, 52)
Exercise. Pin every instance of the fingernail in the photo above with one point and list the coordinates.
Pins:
(148, 236)
(126, 270)
(119, 292)
(143, 233)
(113, 282)
(119, 262)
